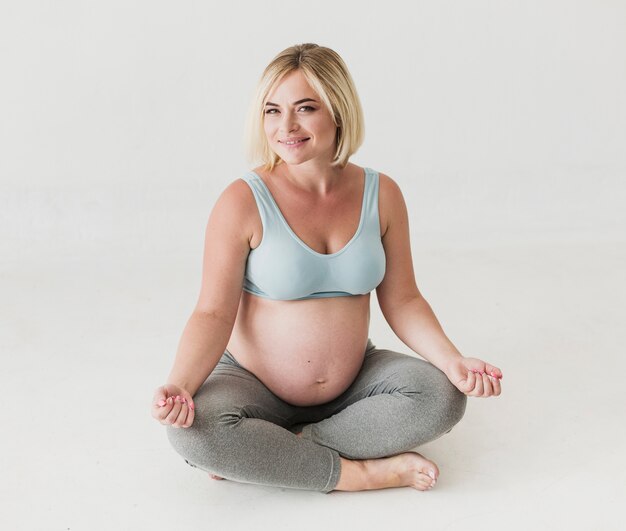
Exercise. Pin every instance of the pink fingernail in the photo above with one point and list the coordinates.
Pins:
(162, 402)
(191, 406)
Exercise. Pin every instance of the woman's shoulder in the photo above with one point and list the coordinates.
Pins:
(355, 169)
(388, 188)
(390, 199)
(238, 190)
(384, 179)
(389, 192)
(237, 205)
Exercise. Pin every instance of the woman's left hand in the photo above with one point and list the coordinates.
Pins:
(474, 377)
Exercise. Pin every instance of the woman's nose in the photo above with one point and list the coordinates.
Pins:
(289, 122)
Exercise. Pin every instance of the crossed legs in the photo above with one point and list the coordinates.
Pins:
(397, 402)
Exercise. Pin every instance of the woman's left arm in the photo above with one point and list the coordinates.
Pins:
(408, 313)
(415, 323)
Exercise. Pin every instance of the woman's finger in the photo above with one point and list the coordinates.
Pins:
(469, 383)
(173, 414)
(159, 395)
(487, 389)
(165, 410)
(157, 400)
(182, 415)
(161, 409)
(492, 370)
(497, 386)
(478, 389)
(160, 412)
(190, 415)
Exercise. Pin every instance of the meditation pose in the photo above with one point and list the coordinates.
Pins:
(276, 380)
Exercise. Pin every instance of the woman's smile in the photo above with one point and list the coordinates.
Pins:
(293, 143)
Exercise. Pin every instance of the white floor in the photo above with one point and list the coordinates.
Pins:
(85, 341)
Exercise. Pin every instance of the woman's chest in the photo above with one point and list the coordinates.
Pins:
(324, 229)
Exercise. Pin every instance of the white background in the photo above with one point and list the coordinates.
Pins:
(504, 123)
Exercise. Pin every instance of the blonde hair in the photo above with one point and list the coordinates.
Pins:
(328, 75)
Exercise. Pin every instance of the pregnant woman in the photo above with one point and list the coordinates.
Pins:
(276, 381)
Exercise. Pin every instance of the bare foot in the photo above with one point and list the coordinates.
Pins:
(409, 469)
(404, 470)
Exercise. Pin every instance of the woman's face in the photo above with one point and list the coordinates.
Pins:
(293, 111)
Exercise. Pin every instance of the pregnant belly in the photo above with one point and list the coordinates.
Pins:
(306, 352)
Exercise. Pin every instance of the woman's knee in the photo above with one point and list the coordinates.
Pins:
(205, 443)
(446, 404)
(448, 401)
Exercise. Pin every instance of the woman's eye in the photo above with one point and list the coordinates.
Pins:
(308, 107)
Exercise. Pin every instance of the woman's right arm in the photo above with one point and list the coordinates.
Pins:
(208, 330)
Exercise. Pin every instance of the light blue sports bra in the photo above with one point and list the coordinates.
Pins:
(283, 267)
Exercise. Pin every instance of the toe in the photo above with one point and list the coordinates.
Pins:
(423, 481)
(421, 485)
(430, 477)
(432, 472)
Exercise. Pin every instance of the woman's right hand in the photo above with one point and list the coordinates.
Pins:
(173, 405)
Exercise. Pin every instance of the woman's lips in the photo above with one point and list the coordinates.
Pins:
(298, 142)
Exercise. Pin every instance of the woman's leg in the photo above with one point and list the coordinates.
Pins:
(240, 432)
(396, 403)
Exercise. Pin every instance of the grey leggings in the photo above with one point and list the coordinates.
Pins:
(243, 432)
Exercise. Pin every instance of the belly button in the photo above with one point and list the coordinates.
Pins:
(320, 380)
